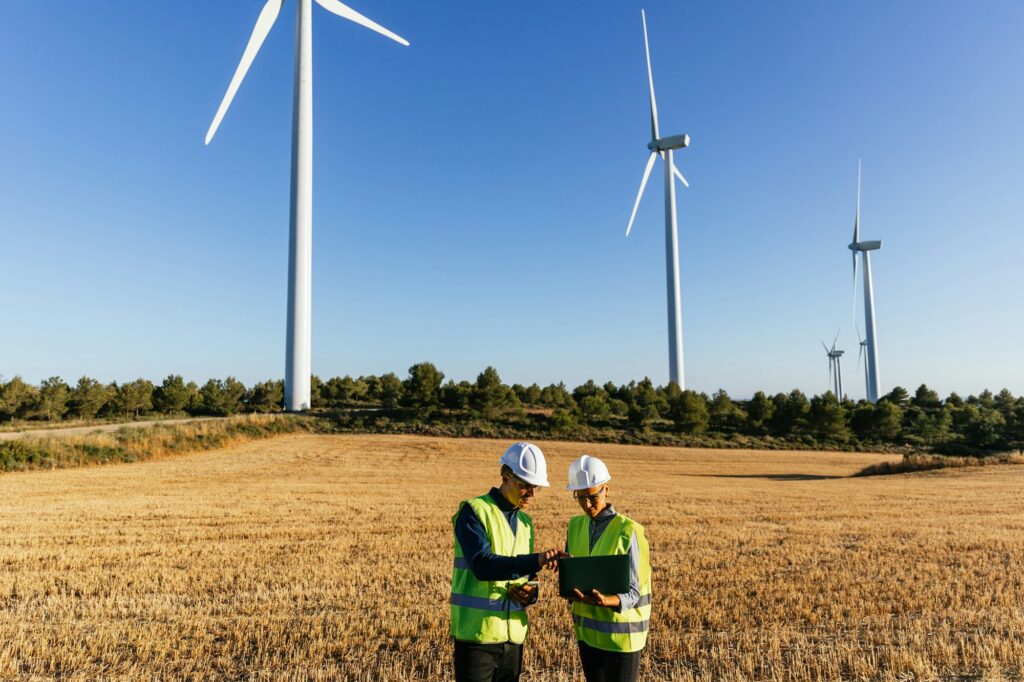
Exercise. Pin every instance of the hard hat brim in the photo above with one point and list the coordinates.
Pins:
(533, 480)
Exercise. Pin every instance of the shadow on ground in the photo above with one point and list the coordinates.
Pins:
(769, 477)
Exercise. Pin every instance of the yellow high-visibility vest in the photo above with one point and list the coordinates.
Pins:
(481, 610)
(603, 627)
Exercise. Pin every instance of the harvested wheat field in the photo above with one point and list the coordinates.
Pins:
(328, 557)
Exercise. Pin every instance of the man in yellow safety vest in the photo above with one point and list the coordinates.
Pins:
(493, 571)
(611, 629)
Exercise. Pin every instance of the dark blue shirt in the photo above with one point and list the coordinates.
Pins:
(476, 547)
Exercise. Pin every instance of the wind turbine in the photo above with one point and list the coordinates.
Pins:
(871, 342)
(300, 238)
(862, 358)
(835, 371)
(663, 147)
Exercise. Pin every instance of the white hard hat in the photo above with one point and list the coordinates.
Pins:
(527, 462)
(587, 472)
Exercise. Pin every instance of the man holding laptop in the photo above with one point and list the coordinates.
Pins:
(492, 576)
(611, 629)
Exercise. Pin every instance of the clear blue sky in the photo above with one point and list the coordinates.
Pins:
(471, 191)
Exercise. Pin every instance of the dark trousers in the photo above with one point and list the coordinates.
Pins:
(609, 666)
(475, 662)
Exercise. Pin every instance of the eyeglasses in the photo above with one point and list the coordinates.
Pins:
(590, 499)
(521, 484)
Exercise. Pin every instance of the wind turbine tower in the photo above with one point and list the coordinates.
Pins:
(864, 248)
(300, 238)
(835, 371)
(862, 359)
(663, 147)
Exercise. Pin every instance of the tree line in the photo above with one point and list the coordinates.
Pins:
(637, 411)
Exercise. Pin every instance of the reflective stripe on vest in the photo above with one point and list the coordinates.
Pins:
(481, 610)
(599, 626)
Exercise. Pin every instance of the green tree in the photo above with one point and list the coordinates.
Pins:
(455, 396)
(87, 398)
(491, 397)
(17, 399)
(790, 417)
(53, 398)
(759, 413)
(421, 390)
(563, 420)
(887, 419)
(984, 427)
(134, 397)
(926, 426)
(389, 390)
(557, 395)
(926, 398)
(1005, 403)
(826, 418)
(725, 416)
(689, 412)
(172, 395)
(862, 421)
(315, 387)
(897, 396)
(222, 398)
(644, 404)
(984, 399)
(266, 396)
(595, 408)
(588, 389)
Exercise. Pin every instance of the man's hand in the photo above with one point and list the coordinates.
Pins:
(549, 559)
(595, 598)
(524, 595)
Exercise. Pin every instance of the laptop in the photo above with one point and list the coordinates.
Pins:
(606, 574)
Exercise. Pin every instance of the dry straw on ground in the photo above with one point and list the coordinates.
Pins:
(328, 557)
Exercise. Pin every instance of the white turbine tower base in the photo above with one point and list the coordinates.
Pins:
(298, 341)
(664, 147)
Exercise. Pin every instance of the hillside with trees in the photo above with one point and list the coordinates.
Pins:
(636, 412)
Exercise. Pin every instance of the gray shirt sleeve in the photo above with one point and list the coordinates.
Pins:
(628, 600)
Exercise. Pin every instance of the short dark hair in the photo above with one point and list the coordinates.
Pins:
(506, 469)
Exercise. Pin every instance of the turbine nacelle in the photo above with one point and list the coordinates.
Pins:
(865, 246)
(669, 143)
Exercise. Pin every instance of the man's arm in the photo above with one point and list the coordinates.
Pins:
(485, 564)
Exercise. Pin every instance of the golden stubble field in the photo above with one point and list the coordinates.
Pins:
(328, 557)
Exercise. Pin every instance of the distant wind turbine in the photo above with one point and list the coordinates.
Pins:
(835, 371)
(871, 342)
(862, 358)
(300, 240)
(663, 147)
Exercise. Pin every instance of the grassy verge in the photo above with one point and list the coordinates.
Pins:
(34, 425)
(130, 445)
(911, 463)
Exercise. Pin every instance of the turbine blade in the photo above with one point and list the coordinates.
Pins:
(347, 12)
(856, 220)
(836, 338)
(650, 82)
(259, 33)
(640, 194)
(824, 346)
(680, 176)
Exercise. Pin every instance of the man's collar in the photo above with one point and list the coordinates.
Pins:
(605, 514)
(500, 500)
